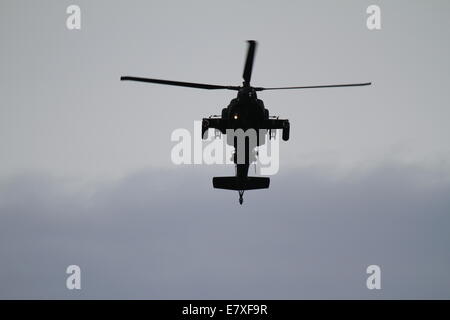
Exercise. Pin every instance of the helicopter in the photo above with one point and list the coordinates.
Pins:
(245, 112)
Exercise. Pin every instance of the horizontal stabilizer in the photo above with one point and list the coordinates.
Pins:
(235, 183)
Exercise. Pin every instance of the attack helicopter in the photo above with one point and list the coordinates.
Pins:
(245, 112)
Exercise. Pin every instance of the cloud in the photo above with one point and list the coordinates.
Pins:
(168, 234)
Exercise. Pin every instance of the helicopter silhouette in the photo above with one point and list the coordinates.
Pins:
(245, 112)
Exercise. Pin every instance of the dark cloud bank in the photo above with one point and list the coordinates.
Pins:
(169, 235)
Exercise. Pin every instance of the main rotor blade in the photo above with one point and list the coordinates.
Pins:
(247, 75)
(180, 84)
(323, 86)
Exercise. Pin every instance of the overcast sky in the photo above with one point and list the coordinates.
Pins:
(86, 176)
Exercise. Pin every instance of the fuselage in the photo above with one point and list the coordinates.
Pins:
(246, 111)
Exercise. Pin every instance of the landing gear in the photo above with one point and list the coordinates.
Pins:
(241, 196)
(205, 127)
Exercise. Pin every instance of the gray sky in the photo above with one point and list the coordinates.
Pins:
(86, 176)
